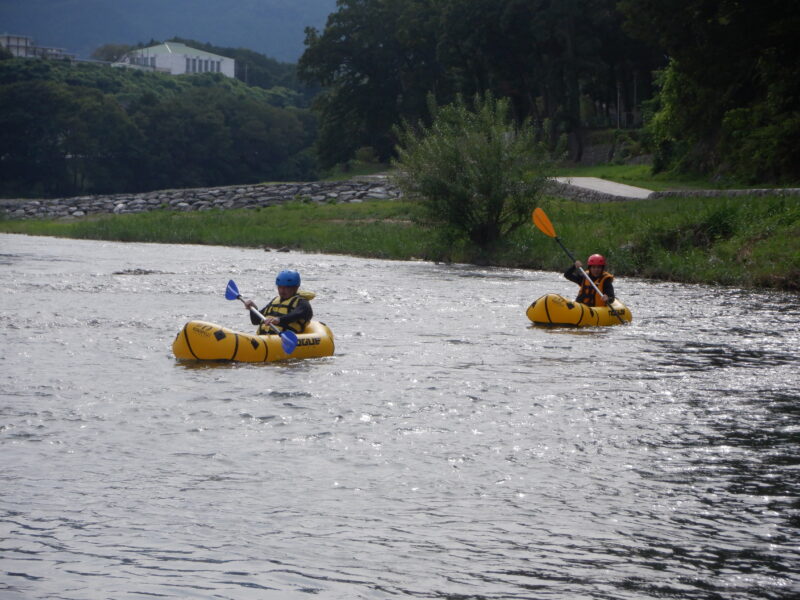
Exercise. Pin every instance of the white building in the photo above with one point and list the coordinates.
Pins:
(178, 59)
(22, 46)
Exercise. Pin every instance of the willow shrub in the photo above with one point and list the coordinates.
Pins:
(476, 174)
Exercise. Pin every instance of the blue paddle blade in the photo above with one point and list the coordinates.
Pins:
(232, 292)
(288, 341)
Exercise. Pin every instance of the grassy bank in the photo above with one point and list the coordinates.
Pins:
(740, 241)
(371, 229)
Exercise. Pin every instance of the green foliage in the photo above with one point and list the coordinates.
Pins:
(760, 143)
(206, 136)
(69, 129)
(376, 62)
(729, 100)
(682, 129)
(476, 174)
(747, 241)
(379, 59)
(59, 140)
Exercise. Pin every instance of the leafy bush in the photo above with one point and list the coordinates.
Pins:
(476, 174)
(759, 143)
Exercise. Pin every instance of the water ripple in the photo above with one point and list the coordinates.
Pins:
(448, 450)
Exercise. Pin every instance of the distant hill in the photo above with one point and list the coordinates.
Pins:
(271, 27)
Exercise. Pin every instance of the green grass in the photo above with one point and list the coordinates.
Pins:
(378, 229)
(740, 241)
(750, 241)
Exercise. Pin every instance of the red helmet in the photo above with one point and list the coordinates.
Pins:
(596, 259)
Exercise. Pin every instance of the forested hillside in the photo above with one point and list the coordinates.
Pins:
(72, 128)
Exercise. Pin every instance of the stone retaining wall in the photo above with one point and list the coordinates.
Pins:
(239, 196)
(270, 194)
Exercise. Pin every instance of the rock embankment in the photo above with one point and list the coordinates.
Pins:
(374, 187)
(238, 196)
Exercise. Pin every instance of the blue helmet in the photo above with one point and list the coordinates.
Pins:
(288, 278)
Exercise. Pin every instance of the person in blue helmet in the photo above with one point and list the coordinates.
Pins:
(288, 310)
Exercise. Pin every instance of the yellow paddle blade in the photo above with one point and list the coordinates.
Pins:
(543, 223)
(306, 295)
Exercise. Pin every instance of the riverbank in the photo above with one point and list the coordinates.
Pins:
(190, 199)
(747, 241)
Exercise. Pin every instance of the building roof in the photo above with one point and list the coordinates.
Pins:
(176, 48)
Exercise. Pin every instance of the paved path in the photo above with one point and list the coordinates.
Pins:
(606, 187)
(595, 184)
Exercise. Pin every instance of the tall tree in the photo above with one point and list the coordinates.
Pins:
(375, 63)
(101, 143)
(377, 60)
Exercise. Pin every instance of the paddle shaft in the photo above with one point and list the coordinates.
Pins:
(259, 315)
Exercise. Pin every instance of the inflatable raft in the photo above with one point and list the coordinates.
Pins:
(199, 340)
(556, 311)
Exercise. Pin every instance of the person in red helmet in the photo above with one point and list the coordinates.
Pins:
(602, 279)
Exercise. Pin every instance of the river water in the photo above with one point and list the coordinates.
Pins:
(448, 449)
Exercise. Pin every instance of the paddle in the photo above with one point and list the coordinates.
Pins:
(546, 227)
(288, 338)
